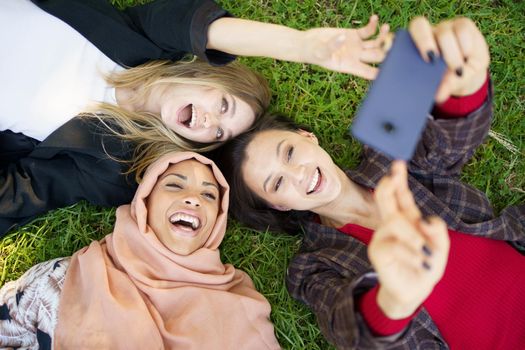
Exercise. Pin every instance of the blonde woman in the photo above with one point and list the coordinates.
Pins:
(72, 59)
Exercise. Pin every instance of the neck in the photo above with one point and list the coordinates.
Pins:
(127, 99)
(354, 204)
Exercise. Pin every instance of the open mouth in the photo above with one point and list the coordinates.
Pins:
(185, 222)
(188, 116)
(316, 182)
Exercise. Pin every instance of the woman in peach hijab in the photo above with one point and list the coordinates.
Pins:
(156, 282)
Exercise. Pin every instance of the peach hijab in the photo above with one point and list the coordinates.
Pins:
(128, 291)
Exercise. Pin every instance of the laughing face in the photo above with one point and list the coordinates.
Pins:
(200, 113)
(289, 170)
(183, 206)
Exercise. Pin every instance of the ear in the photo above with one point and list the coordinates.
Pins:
(280, 208)
(308, 134)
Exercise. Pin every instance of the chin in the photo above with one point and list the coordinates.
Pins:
(182, 251)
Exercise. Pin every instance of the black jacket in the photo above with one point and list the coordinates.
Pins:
(71, 164)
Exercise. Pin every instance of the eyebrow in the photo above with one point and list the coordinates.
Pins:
(206, 183)
(278, 150)
(180, 176)
(234, 105)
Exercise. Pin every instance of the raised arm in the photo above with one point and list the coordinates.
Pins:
(330, 275)
(167, 29)
(344, 50)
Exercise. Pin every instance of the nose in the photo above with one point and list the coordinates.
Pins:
(297, 173)
(192, 200)
(210, 120)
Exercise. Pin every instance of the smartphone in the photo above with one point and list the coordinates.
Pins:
(394, 112)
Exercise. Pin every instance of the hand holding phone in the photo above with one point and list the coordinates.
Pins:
(394, 112)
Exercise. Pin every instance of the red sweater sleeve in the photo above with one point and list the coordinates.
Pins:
(459, 107)
(376, 320)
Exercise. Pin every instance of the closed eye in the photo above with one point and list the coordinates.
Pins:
(209, 195)
(174, 185)
(289, 153)
(278, 184)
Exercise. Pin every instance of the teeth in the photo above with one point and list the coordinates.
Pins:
(193, 116)
(314, 181)
(195, 222)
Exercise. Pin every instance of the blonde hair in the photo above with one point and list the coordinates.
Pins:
(150, 137)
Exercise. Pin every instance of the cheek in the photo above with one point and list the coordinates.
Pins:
(213, 213)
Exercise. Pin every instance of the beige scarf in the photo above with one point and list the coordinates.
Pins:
(128, 291)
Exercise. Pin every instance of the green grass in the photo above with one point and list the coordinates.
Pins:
(327, 101)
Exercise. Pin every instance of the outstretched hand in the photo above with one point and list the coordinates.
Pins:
(408, 253)
(346, 50)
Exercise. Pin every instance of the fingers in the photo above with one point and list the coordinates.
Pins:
(374, 49)
(463, 49)
(463, 36)
(472, 43)
(369, 29)
(393, 196)
(407, 234)
(438, 242)
(372, 55)
(422, 33)
(449, 47)
(435, 232)
(391, 251)
(404, 196)
(384, 32)
(384, 195)
(362, 70)
(446, 86)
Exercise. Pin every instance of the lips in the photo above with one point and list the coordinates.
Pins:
(316, 181)
(185, 224)
(188, 116)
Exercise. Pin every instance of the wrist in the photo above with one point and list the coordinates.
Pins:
(462, 106)
(393, 307)
(470, 87)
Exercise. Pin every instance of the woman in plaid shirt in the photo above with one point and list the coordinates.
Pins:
(417, 261)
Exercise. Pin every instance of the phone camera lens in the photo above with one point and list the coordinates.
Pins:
(389, 127)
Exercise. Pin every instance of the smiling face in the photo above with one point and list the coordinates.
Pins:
(183, 206)
(200, 113)
(289, 170)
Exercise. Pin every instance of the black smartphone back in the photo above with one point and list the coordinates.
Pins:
(394, 112)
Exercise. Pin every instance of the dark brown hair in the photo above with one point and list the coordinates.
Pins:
(246, 206)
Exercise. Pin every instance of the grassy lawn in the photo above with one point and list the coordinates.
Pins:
(327, 101)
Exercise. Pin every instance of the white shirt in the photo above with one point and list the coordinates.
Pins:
(48, 71)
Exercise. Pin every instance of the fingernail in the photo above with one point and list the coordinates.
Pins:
(459, 71)
(426, 266)
(431, 56)
(426, 250)
(341, 38)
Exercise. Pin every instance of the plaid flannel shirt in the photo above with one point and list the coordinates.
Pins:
(331, 268)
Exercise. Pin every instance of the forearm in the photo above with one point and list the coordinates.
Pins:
(250, 38)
